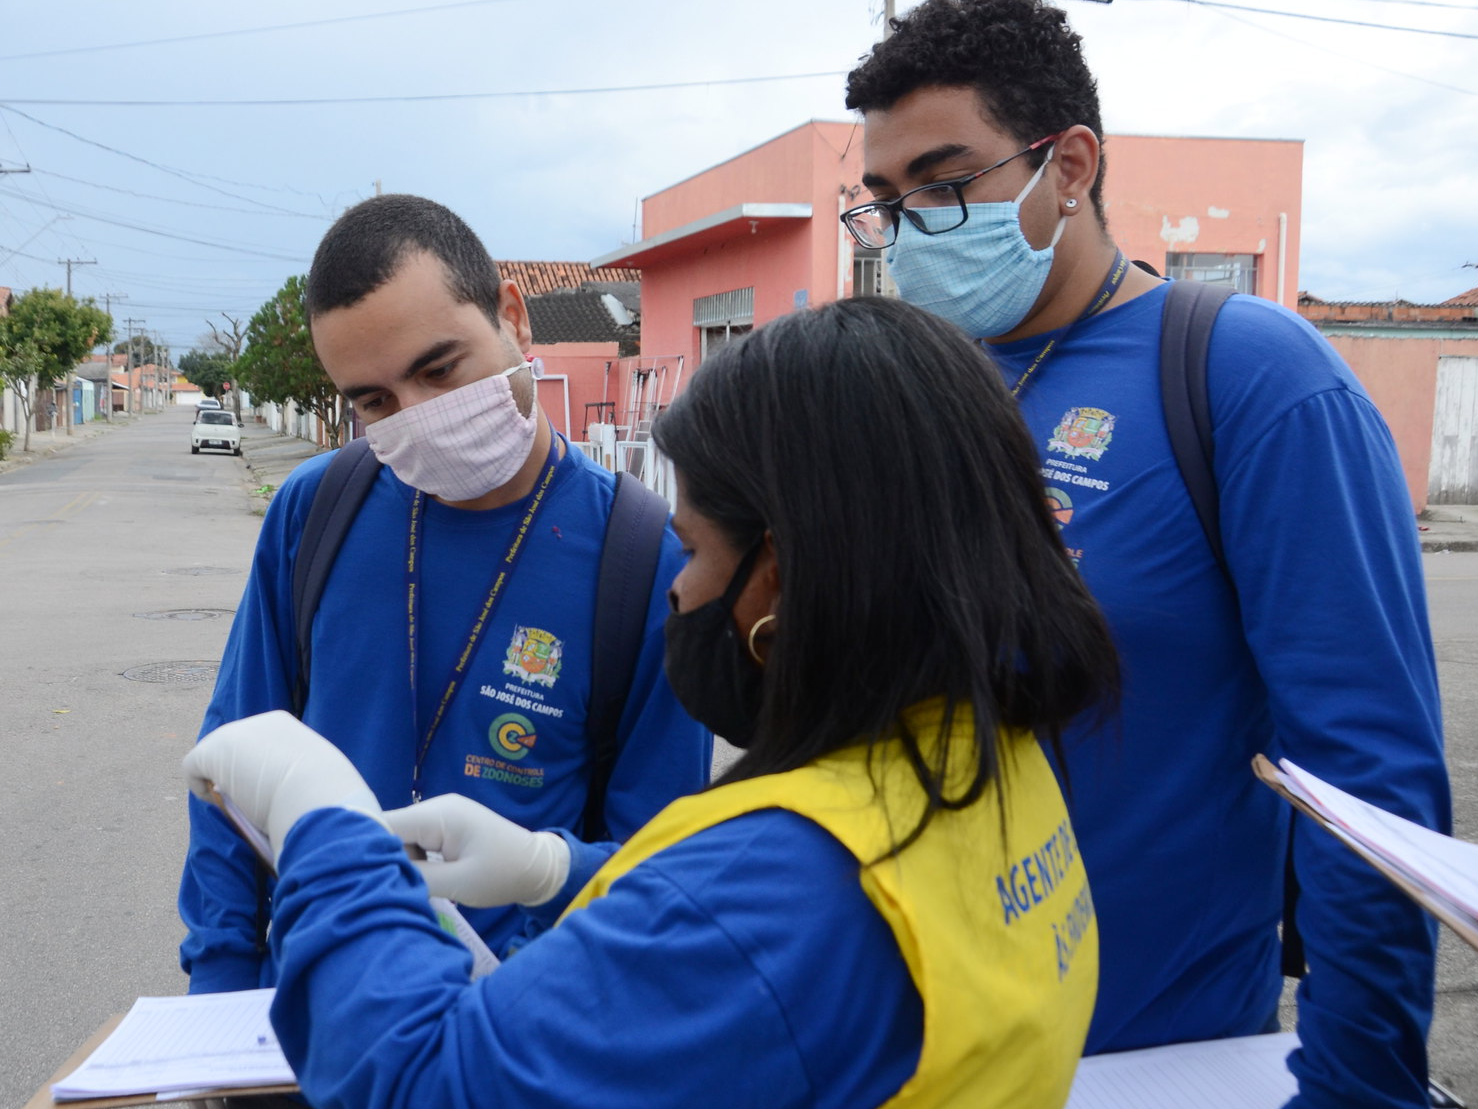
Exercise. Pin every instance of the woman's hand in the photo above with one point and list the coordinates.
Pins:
(275, 768)
(483, 859)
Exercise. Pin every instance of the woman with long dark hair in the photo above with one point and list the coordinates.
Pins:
(881, 903)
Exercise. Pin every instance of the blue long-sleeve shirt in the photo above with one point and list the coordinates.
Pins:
(744, 966)
(513, 736)
(1321, 653)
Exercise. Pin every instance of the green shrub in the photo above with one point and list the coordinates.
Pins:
(6, 438)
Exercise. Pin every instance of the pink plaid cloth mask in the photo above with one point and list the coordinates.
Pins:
(461, 445)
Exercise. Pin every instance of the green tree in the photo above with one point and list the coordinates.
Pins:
(210, 370)
(142, 348)
(46, 334)
(280, 365)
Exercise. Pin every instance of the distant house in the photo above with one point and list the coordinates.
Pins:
(586, 315)
(1419, 363)
(537, 278)
(587, 333)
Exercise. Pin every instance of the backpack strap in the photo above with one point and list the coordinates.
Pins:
(1185, 339)
(336, 502)
(628, 569)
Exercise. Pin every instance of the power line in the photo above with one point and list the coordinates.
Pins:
(153, 231)
(6, 102)
(246, 31)
(1328, 19)
(93, 240)
(1431, 4)
(174, 200)
(182, 174)
(22, 254)
(1347, 57)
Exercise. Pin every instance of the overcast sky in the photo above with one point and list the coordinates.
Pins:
(194, 209)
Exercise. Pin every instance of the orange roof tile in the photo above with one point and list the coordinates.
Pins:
(537, 278)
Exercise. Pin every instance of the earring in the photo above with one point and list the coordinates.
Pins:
(758, 624)
(1071, 202)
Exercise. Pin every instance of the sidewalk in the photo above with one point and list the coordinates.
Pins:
(270, 455)
(1449, 527)
(44, 444)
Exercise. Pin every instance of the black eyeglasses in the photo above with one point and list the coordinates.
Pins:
(876, 225)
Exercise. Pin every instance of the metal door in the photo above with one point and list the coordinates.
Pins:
(1453, 477)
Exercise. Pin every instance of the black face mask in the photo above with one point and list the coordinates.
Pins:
(708, 666)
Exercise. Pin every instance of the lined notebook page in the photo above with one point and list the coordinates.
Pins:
(174, 1043)
(1249, 1072)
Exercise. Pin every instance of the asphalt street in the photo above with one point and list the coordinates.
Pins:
(122, 558)
(121, 561)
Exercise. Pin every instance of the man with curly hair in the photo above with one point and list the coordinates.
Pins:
(984, 153)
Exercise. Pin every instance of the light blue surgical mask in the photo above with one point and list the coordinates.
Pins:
(983, 276)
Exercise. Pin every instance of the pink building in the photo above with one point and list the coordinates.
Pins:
(1219, 210)
(758, 235)
(1419, 363)
(583, 323)
(747, 240)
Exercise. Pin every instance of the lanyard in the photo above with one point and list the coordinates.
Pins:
(1106, 293)
(502, 572)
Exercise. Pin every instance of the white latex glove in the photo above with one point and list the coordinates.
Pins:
(486, 859)
(276, 768)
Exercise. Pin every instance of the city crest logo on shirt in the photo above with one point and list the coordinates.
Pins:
(534, 656)
(512, 735)
(1083, 433)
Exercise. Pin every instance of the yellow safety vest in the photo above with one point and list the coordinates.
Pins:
(998, 935)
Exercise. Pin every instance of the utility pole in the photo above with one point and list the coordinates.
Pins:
(27, 169)
(128, 324)
(69, 263)
(161, 363)
(887, 19)
(381, 192)
(108, 299)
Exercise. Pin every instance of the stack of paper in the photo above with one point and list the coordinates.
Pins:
(1439, 872)
(1247, 1072)
(171, 1044)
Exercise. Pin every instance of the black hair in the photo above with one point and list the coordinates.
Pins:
(370, 241)
(917, 556)
(1020, 56)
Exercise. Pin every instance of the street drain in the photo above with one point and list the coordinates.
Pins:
(186, 673)
(187, 614)
(202, 571)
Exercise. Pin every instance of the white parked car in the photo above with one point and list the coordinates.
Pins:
(206, 402)
(213, 428)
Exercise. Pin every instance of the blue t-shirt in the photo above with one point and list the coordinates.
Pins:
(743, 966)
(513, 735)
(1322, 655)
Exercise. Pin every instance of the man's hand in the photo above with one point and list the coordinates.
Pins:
(275, 769)
(485, 859)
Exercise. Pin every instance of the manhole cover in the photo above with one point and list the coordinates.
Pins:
(189, 673)
(187, 614)
(202, 571)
